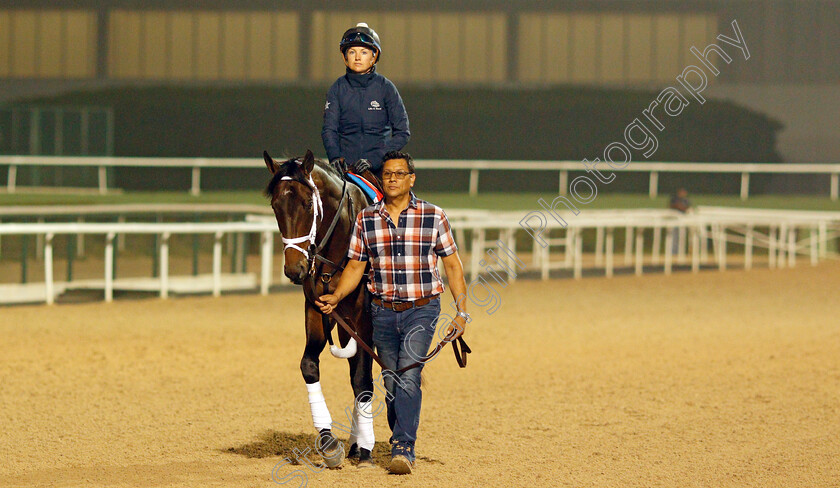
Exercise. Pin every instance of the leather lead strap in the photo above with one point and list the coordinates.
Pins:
(460, 357)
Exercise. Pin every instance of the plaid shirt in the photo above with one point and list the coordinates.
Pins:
(403, 257)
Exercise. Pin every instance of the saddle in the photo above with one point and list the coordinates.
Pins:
(370, 185)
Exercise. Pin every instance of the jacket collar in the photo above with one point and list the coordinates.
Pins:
(360, 80)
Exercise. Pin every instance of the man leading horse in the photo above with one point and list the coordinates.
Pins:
(402, 237)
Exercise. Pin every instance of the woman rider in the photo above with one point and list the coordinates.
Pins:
(364, 116)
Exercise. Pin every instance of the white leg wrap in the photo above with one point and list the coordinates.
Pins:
(354, 428)
(347, 352)
(364, 420)
(320, 414)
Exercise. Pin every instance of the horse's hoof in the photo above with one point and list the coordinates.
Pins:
(354, 451)
(331, 449)
(365, 460)
(334, 459)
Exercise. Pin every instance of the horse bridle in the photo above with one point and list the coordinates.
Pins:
(313, 253)
(317, 211)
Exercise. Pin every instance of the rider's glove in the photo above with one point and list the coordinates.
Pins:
(361, 166)
(338, 163)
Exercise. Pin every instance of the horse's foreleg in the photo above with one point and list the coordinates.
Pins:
(329, 447)
(360, 377)
(317, 404)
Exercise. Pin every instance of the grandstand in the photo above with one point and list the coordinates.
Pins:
(48, 47)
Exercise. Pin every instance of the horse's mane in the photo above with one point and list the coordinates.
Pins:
(292, 169)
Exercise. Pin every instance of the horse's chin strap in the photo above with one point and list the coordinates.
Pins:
(317, 214)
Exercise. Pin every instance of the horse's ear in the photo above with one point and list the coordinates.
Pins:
(308, 162)
(272, 164)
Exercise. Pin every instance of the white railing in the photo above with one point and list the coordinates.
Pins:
(164, 230)
(474, 167)
(674, 239)
(124, 209)
(784, 234)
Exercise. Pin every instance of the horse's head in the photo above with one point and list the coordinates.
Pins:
(297, 206)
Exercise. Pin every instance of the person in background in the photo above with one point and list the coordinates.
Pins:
(364, 115)
(679, 202)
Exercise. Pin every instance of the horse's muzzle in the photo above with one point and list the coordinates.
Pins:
(295, 272)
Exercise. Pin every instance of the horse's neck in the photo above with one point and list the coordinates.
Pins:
(324, 189)
(331, 206)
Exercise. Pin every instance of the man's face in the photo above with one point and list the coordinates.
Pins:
(396, 180)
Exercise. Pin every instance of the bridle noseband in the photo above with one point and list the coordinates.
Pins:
(317, 211)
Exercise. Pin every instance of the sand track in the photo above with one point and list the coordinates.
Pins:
(709, 379)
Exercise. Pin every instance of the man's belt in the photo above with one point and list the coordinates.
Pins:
(402, 306)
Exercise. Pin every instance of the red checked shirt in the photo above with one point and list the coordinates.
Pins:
(403, 257)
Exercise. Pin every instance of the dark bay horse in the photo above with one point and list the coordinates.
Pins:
(316, 210)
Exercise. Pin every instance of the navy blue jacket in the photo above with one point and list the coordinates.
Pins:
(364, 117)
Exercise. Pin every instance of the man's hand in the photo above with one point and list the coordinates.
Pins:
(350, 278)
(327, 303)
(456, 328)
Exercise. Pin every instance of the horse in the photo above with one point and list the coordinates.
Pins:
(316, 209)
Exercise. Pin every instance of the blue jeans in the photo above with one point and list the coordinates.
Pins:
(401, 339)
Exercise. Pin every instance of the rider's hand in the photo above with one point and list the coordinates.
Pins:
(361, 166)
(327, 303)
(338, 163)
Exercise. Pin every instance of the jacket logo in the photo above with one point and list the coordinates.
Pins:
(374, 105)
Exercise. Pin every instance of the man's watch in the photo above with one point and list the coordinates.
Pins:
(464, 315)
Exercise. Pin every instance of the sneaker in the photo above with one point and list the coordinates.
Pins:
(400, 465)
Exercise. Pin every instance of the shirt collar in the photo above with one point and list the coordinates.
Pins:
(412, 203)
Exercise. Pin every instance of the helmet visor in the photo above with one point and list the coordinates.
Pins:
(358, 37)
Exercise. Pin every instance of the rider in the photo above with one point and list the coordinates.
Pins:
(364, 116)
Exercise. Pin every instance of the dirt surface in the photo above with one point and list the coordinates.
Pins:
(714, 379)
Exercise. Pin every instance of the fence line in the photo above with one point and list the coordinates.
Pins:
(473, 166)
(784, 235)
(164, 231)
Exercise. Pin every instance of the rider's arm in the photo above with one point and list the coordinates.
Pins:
(398, 118)
(329, 132)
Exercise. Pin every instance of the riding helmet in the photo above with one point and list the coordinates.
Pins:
(361, 35)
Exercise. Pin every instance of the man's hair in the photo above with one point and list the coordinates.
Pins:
(399, 155)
